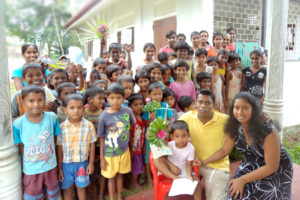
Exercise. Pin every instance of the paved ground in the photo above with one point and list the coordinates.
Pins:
(149, 195)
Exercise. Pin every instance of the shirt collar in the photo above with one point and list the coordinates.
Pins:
(214, 118)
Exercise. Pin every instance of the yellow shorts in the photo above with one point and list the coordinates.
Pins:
(117, 164)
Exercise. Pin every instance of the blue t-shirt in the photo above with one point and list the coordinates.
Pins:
(163, 112)
(18, 73)
(38, 139)
(115, 127)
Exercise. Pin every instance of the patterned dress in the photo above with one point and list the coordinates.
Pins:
(273, 187)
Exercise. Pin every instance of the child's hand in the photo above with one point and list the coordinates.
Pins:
(52, 106)
(128, 48)
(60, 175)
(103, 164)
(90, 169)
(152, 116)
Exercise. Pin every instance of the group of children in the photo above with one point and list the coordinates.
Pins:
(80, 129)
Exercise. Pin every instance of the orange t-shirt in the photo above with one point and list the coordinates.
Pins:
(210, 53)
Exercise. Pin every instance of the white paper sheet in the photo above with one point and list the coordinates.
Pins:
(182, 186)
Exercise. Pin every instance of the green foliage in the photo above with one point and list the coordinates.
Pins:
(151, 106)
(235, 155)
(155, 126)
(292, 145)
(35, 21)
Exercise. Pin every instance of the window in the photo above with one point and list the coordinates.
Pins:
(290, 37)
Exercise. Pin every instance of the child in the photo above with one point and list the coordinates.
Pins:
(254, 77)
(94, 76)
(106, 55)
(190, 54)
(233, 78)
(137, 138)
(76, 149)
(218, 85)
(75, 73)
(128, 83)
(100, 83)
(113, 73)
(226, 42)
(223, 62)
(100, 65)
(30, 53)
(201, 58)
(149, 51)
(156, 93)
(63, 90)
(171, 39)
(123, 55)
(183, 154)
(115, 51)
(232, 33)
(181, 86)
(203, 40)
(172, 57)
(95, 97)
(34, 132)
(114, 134)
(169, 98)
(204, 80)
(167, 75)
(57, 76)
(195, 39)
(186, 104)
(163, 58)
(218, 42)
(155, 70)
(32, 73)
(127, 72)
(181, 48)
(142, 78)
(181, 36)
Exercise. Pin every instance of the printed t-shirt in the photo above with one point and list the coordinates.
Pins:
(38, 140)
(138, 131)
(115, 127)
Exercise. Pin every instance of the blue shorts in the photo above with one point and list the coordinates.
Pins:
(75, 173)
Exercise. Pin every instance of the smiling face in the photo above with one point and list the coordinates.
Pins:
(143, 83)
(58, 78)
(195, 40)
(74, 110)
(232, 35)
(34, 76)
(115, 54)
(181, 72)
(242, 111)
(226, 40)
(171, 40)
(203, 37)
(156, 94)
(205, 83)
(255, 60)
(31, 54)
(182, 53)
(34, 103)
(156, 74)
(149, 51)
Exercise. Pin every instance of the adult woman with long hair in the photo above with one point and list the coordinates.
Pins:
(266, 170)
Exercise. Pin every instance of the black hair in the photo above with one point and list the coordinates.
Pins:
(32, 88)
(181, 35)
(231, 29)
(124, 78)
(115, 46)
(212, 58)
(179, 124)
(111, 69)
(166, 67)
(123, 52)
(181, 45)
(98, 61)
(194, 33)
(56, 71)
(149, 44)
(172, 54)
(162, 56)
(95, 71)
(168, 92)
(142, 74)
(256, 52)
(92, 92)
(134, 97)
(233, 56)
(31, 66)
(181, 63)
(154, 65)
(169, 33)
(61, 86)
(115, 88)
(63, 56)
(191, 50)
(154, 85)
(204, 31)
(25, 47)
(256, 129)
(217, 34)
(99, 81)
(223, 52)
(105, 52)
(202, 75)
(76, 97)
(185, 102)
(200, 51)
(208, 93)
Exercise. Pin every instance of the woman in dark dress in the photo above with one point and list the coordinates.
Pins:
(266, 171)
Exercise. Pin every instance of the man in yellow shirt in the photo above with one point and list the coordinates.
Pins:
(207, 134)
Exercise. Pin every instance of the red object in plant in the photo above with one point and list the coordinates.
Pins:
(161, 134)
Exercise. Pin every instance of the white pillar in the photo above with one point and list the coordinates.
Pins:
(10, 169)
(277, 11)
